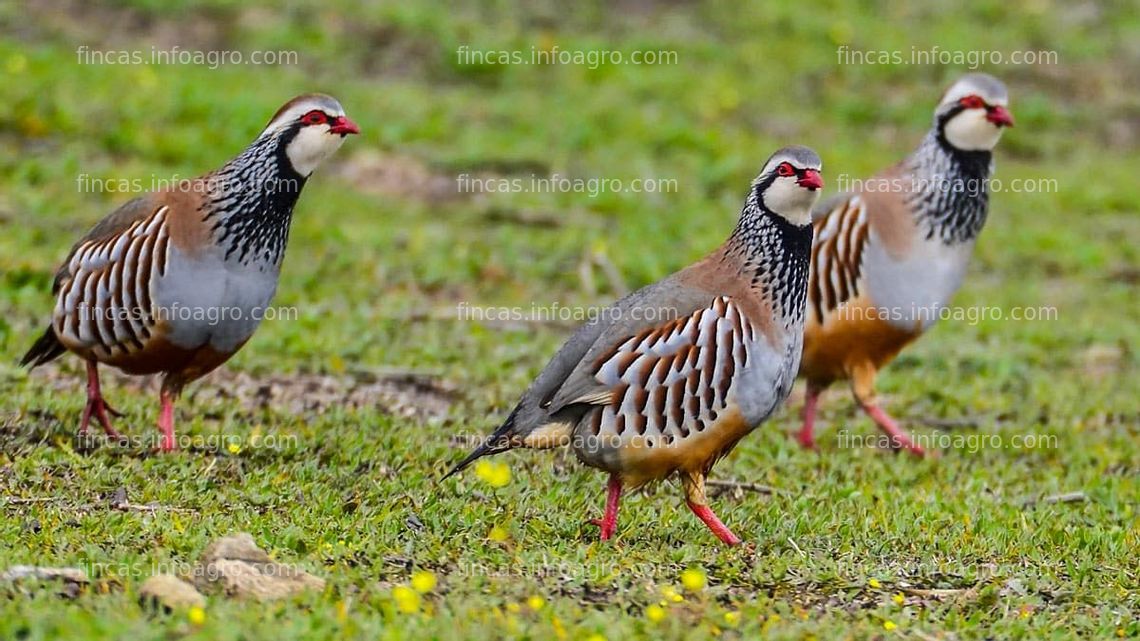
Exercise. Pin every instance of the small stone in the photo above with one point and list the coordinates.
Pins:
(239, 547)
(34, 573)
(413, 522)
(170, 593)
(236, 566)
(24, 577)
(119, 499)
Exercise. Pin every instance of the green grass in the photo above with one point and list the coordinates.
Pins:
(376, 274)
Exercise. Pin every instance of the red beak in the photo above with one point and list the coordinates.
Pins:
(343, 126)
(1000, 116)
(811, 180)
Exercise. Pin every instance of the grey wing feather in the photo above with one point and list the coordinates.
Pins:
(646, 308)
(565, 387)
(529, 413)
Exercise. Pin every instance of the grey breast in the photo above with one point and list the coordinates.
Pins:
(211, 301)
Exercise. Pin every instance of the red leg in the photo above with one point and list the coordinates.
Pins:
(694, 483)
(96, 406)
(721, 531)
(863, 386)
(166, 420)
(608, 523)
(806, 435)
(899, 437)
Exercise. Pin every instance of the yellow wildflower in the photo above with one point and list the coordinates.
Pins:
(196, 615)
(693, 579)
(654, 613)
(423, 581)
(493, 473)
(407, 599)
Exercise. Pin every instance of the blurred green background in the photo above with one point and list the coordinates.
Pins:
(385, 246)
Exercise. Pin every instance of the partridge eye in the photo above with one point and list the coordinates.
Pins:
(314, 118)
(972, 102)
(785, 169)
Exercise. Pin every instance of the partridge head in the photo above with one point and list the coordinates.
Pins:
(974, 112)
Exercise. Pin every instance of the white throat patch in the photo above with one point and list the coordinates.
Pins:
(312, 145)
(786, 198)
(970, 131)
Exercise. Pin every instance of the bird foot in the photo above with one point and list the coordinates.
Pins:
(98, 408)
(704, 513)
(112, 411)
(899, 439)
(607, 529)
(608, 523)
(807, 440)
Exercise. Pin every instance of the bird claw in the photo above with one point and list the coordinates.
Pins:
(97, 407)
(900, 444)
(112, 411)
(607, 530)
(898, 438)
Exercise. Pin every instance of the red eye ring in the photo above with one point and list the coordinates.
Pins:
(785, 169)
(315, 117)
(972, 102)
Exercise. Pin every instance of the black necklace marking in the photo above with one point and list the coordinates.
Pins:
(251, 200)
(775, 255)
(950, 193)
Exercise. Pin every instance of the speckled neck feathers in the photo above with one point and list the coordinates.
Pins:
(949, 192)
(250, 202)
(773, 254)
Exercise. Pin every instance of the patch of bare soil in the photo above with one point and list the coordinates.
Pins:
(392, 175)
(108, 27)
(405, 394)
(1101, 360)
(385, 174)
(412, 395)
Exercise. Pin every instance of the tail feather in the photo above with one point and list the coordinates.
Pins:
(46, 349)
(500, 441)
(486, 449)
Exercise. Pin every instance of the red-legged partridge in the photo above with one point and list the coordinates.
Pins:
(174, 282)
(889, 256)
(671, 377)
